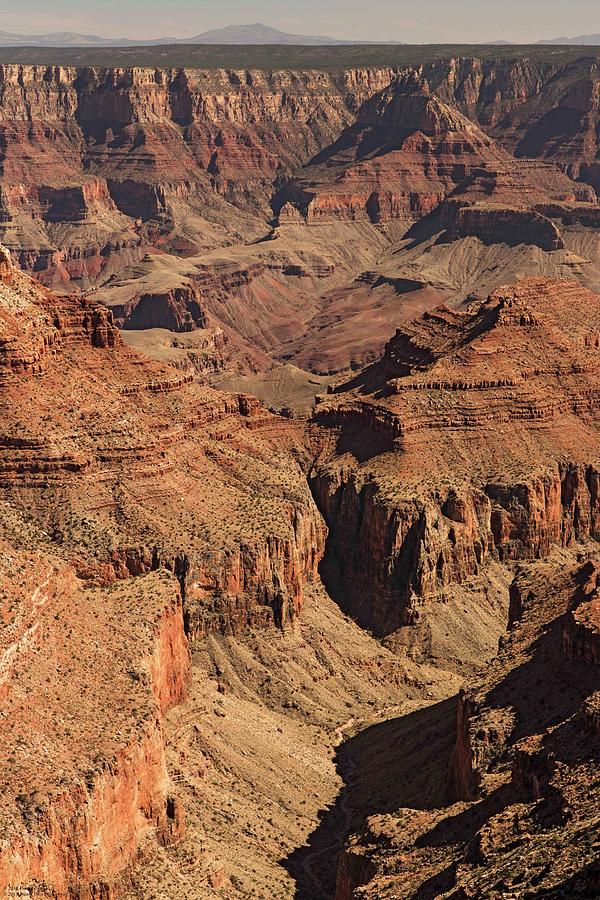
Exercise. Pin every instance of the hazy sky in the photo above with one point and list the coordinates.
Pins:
(402, 20)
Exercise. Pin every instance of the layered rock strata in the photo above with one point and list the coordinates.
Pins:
(160, 186)
(141, 511)
(75, 836)
(400, 159)
(472, 441)
(119, 159)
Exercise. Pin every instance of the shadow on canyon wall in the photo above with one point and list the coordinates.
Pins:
(392, 764)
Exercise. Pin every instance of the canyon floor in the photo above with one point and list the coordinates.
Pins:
(286, 742)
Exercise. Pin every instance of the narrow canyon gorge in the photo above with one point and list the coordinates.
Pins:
(300, 481)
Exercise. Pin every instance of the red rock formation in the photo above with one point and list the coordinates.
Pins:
(267, 569)
(178, 309)
(547, 110)
(165, 511)
(581, 633)
(31, 333)
(533, 768)
(354, 870)
(74, 836)
(108, 150)
(518, 203)
(411, 157)
(489, 401)
(401, 158)
(523, 769)
(6, 269)
(183, 162)
(462, 768)
(497, 225)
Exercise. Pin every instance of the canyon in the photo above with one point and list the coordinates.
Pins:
(297, 211)
(300, 481)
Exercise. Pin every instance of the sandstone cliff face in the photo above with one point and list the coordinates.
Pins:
(402, 156)
(74, 837)
(390, 557)
(165, 511)
(467, 393)
(108, 150)
(496, 225)
(247, 568)
(544, 110)
(246, 586)
(178, 309)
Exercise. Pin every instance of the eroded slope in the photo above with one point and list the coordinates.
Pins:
(473, 441)
(523, 771)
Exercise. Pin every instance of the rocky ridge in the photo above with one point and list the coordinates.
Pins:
(159, 186)
(121, 159)
(516, 811)
(500, 401)
(465, 474)
(106, 459)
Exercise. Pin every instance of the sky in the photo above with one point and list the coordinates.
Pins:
(435, 21)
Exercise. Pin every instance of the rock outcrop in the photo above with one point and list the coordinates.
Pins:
(49, 336)
(521, 792)
(400, 159)
(159, 188)
(500, 225)
(121, 159)
(542, 109)
(486, 403)
(141, 512)
(581, 633)
(410, 155)
(100, 726)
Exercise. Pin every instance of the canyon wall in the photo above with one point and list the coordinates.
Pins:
(151, 512)
(543, 110)
(122, 159)
(405, 552)
(76, 836)
(520, 788)
(110, 150)
(240, 201)
(436, 472)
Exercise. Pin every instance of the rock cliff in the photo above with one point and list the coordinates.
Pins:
(118, 159)
(520, 808)
(117, 663)
(160, 187)
(142, 512)
(458, 450)
(398, 161)
(546, 110)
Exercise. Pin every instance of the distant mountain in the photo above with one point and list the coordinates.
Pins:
(260, 34)
(591, 40)
(231, 34)
(71, 39)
